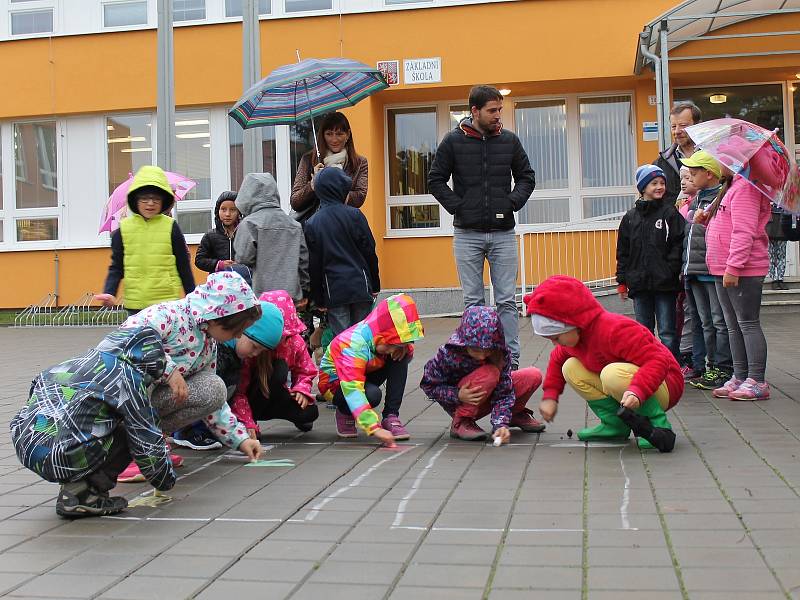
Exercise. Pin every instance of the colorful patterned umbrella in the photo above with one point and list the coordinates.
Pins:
(306, 89)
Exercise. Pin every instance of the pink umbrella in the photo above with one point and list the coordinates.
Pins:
(117, 206)
(746, 149)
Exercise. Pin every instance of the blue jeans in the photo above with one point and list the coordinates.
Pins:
(499, 248)
(658, 307)
(715, 331)
(346, 315)
(698, 342)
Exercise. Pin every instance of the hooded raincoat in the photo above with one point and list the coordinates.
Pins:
(480, 328)
(268, 240)
(65, 431)
(189, 349)
(605, 338)
(343, 264)
(291, 349)
(352, 354)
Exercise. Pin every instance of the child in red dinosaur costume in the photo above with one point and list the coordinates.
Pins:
(609, 359)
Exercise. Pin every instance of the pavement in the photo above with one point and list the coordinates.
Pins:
(546, 517)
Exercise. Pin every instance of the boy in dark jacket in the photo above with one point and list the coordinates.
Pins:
(342, 262)
(649, 248)
(215, 252)
(89, 415)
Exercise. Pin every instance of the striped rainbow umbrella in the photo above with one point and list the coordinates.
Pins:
(304, 90)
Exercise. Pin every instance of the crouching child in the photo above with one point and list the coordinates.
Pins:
(88, 416)
(471, 376)
(607, 358)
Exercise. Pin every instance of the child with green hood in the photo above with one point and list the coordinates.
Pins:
(148, 250)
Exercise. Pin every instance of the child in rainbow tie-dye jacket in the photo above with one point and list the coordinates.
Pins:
(361, 358)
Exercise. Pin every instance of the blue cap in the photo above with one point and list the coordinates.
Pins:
(645, 174)
(268, 330)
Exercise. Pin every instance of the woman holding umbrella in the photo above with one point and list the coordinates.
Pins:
(334, 148)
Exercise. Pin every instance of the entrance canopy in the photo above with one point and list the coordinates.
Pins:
(701, 20)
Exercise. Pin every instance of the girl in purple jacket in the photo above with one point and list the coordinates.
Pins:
(471, 376)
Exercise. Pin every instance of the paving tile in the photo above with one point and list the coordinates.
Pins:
(103, 564)
(457, 576)
(181, 566)
(335, 591)
(291, 549)
(443, 554)
(357, 573)
(555, 556)
(374, 552)
(53, 585)
(290, 571)
(9, 581)
(404, 592)
(740, 579)
(555, 578)
(501, 593)
(153, 588)
(245, 589)
(619, 578)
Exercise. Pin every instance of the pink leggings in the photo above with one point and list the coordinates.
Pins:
(525, 381)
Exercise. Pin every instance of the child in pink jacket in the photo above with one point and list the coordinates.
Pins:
(736, 254)
(277, 383)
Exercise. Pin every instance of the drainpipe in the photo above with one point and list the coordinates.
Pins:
(665, 98)
(659, 92)
(55, 260)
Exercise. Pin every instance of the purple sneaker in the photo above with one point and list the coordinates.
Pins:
(345, 425)
(393, 425)
(751, 390)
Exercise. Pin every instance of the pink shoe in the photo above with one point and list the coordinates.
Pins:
(177, 460)
(725, 391)
(393, 425)
(525, 421)
(751, 390)
(345, 425)
(131, 474)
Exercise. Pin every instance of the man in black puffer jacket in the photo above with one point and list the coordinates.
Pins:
(482, 158)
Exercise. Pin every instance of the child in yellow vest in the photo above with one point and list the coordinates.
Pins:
(148, 250)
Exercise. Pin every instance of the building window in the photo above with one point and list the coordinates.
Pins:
(307, 5)
(32, 21)
(759, 104)
(193, 151)
(124, 14)
(412, 143)
(129, 146)
(188, 10)
(235, 139)
(542, 128)
(35, 149)
(194, 221)
(607, 157)
(37, 230)
(400, 2)
(233, 8)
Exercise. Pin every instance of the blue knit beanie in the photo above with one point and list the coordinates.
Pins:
(645, 174)
(268, 330)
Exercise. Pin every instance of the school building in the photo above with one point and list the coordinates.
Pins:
(78, 115)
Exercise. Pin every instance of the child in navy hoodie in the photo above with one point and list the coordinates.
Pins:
(342, 262)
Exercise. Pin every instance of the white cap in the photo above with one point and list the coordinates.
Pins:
(545, 326)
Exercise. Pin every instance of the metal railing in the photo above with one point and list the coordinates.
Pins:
(81, 313)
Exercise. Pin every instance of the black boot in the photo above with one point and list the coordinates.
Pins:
(77, 500)
(663, 439)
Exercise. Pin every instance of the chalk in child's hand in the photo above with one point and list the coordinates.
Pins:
(497, 442)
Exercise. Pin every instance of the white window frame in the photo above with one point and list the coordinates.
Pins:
(9, 212)
(105, 27)
(272, 5)
(32, 7)
(442, 109)
(575, 191)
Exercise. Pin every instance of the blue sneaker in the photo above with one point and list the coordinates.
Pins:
(196, 437)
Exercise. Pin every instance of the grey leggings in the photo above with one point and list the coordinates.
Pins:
(741, 306)
(207, 392)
